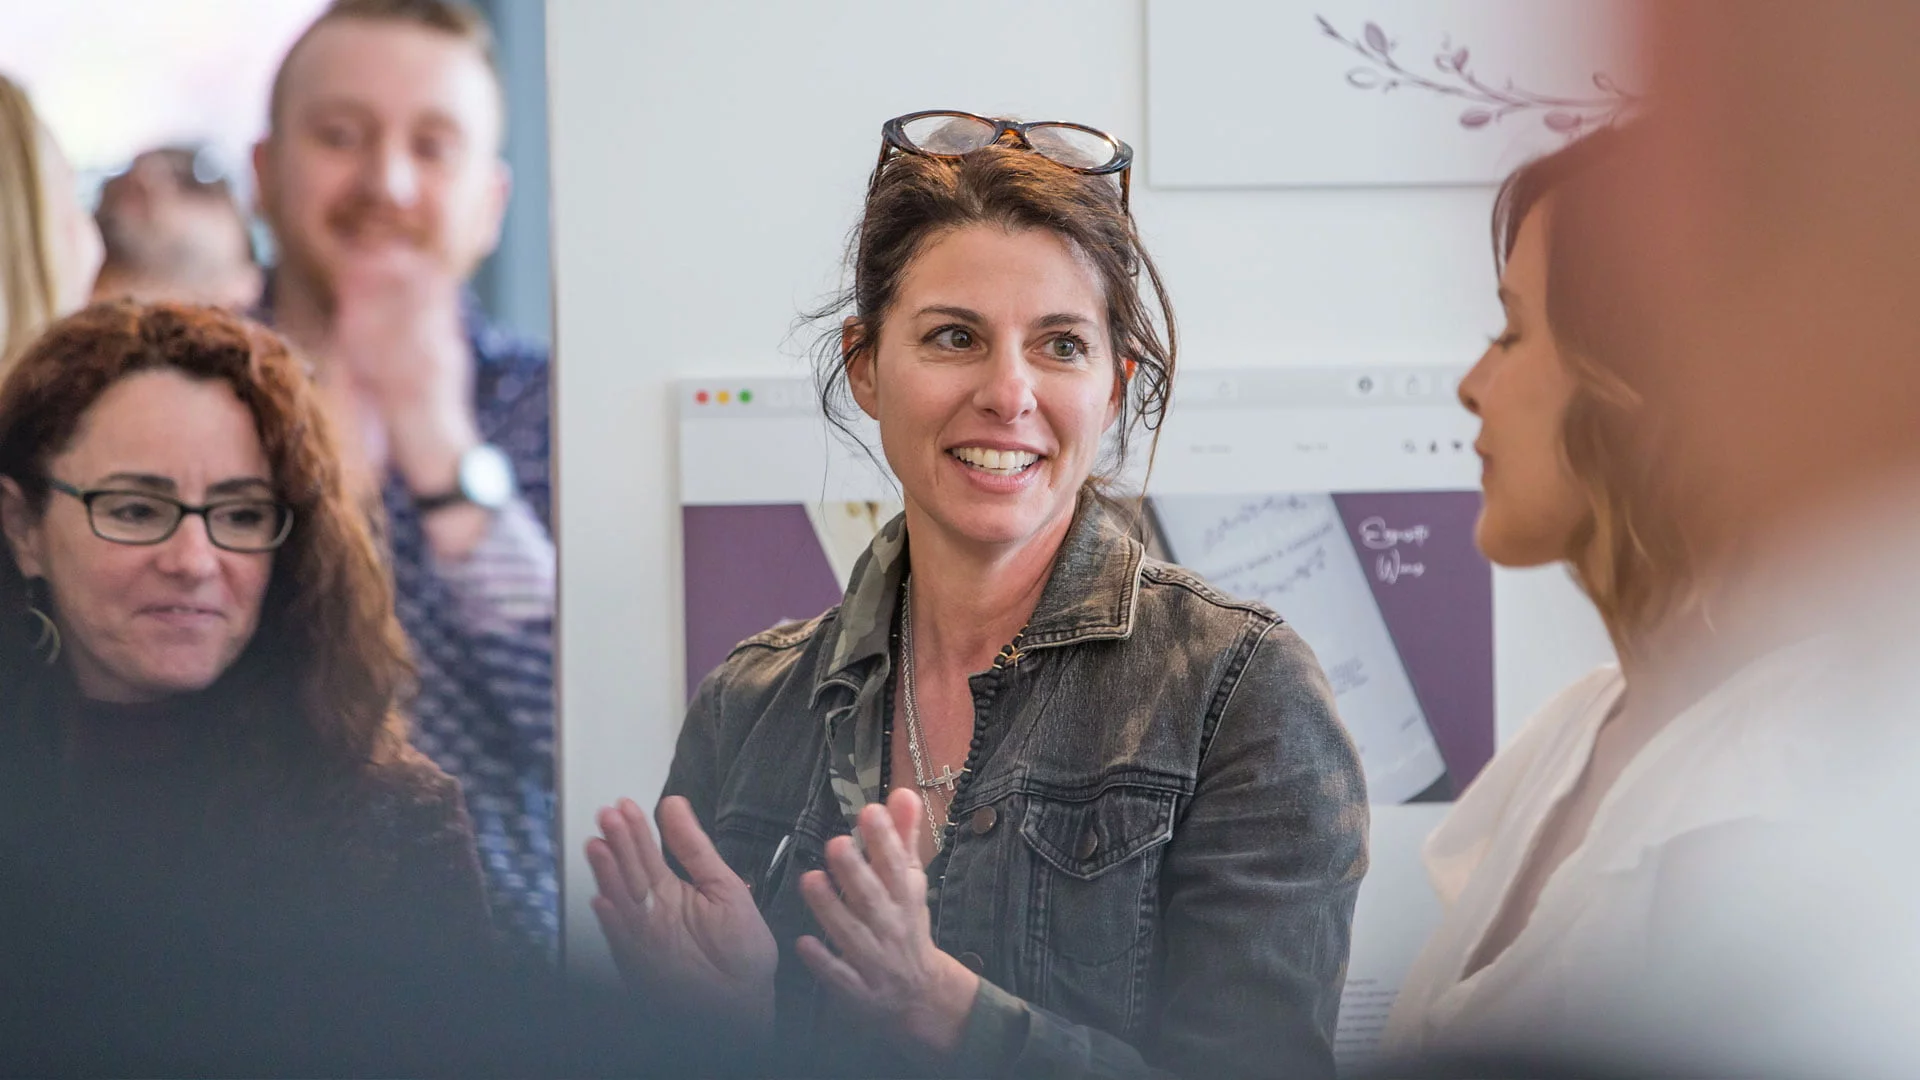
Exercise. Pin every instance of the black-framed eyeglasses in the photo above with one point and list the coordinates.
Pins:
(948, 133)
(249, 526)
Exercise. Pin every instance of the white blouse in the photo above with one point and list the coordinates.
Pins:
(1640, 942)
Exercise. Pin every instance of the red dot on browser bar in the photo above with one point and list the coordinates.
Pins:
(700, 396)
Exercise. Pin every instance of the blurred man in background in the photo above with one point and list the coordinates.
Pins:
(382, 179)
(174, 231)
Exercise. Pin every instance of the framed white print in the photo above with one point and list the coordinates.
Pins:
(1338, 93)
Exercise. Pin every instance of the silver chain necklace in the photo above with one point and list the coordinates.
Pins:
(948, 780)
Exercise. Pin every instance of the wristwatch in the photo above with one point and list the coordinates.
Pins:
(485, 480)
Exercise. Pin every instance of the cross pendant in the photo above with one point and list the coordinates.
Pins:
(947, 779)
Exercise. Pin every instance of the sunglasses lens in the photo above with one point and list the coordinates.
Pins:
(948, 134)
(1076, 148)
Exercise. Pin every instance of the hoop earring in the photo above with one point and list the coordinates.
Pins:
(46, 634)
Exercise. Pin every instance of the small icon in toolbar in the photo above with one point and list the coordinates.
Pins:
(1415, 384)
(1410, 446)
(722, 397)
(1433, 447)
(1365, 385)
(1459, 445)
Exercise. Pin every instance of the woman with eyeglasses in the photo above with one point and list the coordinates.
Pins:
(1027, 802)
(217, 851)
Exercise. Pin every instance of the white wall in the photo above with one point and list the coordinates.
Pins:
(709, 157)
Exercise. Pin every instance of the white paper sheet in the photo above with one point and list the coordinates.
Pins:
(1291, 552)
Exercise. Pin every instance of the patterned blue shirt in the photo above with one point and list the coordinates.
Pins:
(482, 635)
(484, 711)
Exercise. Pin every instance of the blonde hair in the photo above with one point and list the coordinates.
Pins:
(28, 289)
(1629, 555)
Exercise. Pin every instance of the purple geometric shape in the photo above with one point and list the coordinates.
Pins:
(748, 568)
(1435, 590)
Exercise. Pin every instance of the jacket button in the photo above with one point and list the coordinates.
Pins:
(972, 962)
(984, 819)
(1089, 843)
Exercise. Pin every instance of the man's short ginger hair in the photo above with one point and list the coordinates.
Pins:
(454, 18)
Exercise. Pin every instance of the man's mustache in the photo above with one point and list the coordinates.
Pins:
(357, 216)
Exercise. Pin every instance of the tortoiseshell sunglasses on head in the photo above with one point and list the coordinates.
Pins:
(947, 133)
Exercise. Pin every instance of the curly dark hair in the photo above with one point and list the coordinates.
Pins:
(916, 199)
(328, 642)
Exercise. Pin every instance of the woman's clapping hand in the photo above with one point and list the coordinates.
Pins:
(874, 910)
(695, 946)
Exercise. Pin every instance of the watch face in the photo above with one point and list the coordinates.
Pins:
(486, 476)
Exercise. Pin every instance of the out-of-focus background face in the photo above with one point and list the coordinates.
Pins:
(386, 136)
(176, 232)
(1775, 225)
(113, 79)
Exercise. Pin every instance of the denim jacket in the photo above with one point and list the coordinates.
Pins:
(1152, 864)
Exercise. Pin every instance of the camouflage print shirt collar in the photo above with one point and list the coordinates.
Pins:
(865, 630)
(865, 627)
(1090, 595)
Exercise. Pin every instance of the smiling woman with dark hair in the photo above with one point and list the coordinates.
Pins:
(217, 842)
(1107, 822)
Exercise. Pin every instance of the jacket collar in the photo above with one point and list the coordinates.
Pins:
(1091, 593)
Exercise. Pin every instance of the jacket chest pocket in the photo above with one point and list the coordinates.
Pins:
(748, 843)
(1096, 872)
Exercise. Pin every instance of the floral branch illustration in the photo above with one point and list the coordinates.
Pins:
(1485, 104)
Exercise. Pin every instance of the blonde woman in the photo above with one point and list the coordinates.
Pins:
(50, 248)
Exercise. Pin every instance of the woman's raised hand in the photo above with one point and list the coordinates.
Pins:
(696, 946)
(874, 909)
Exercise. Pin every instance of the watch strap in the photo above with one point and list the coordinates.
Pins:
(427, 504)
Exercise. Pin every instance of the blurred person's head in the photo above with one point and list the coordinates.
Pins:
(269, 593)
(1568, 448)
(49, 247)
(174, 231)
(997, 327)
(385, 129)
(1773, 211)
